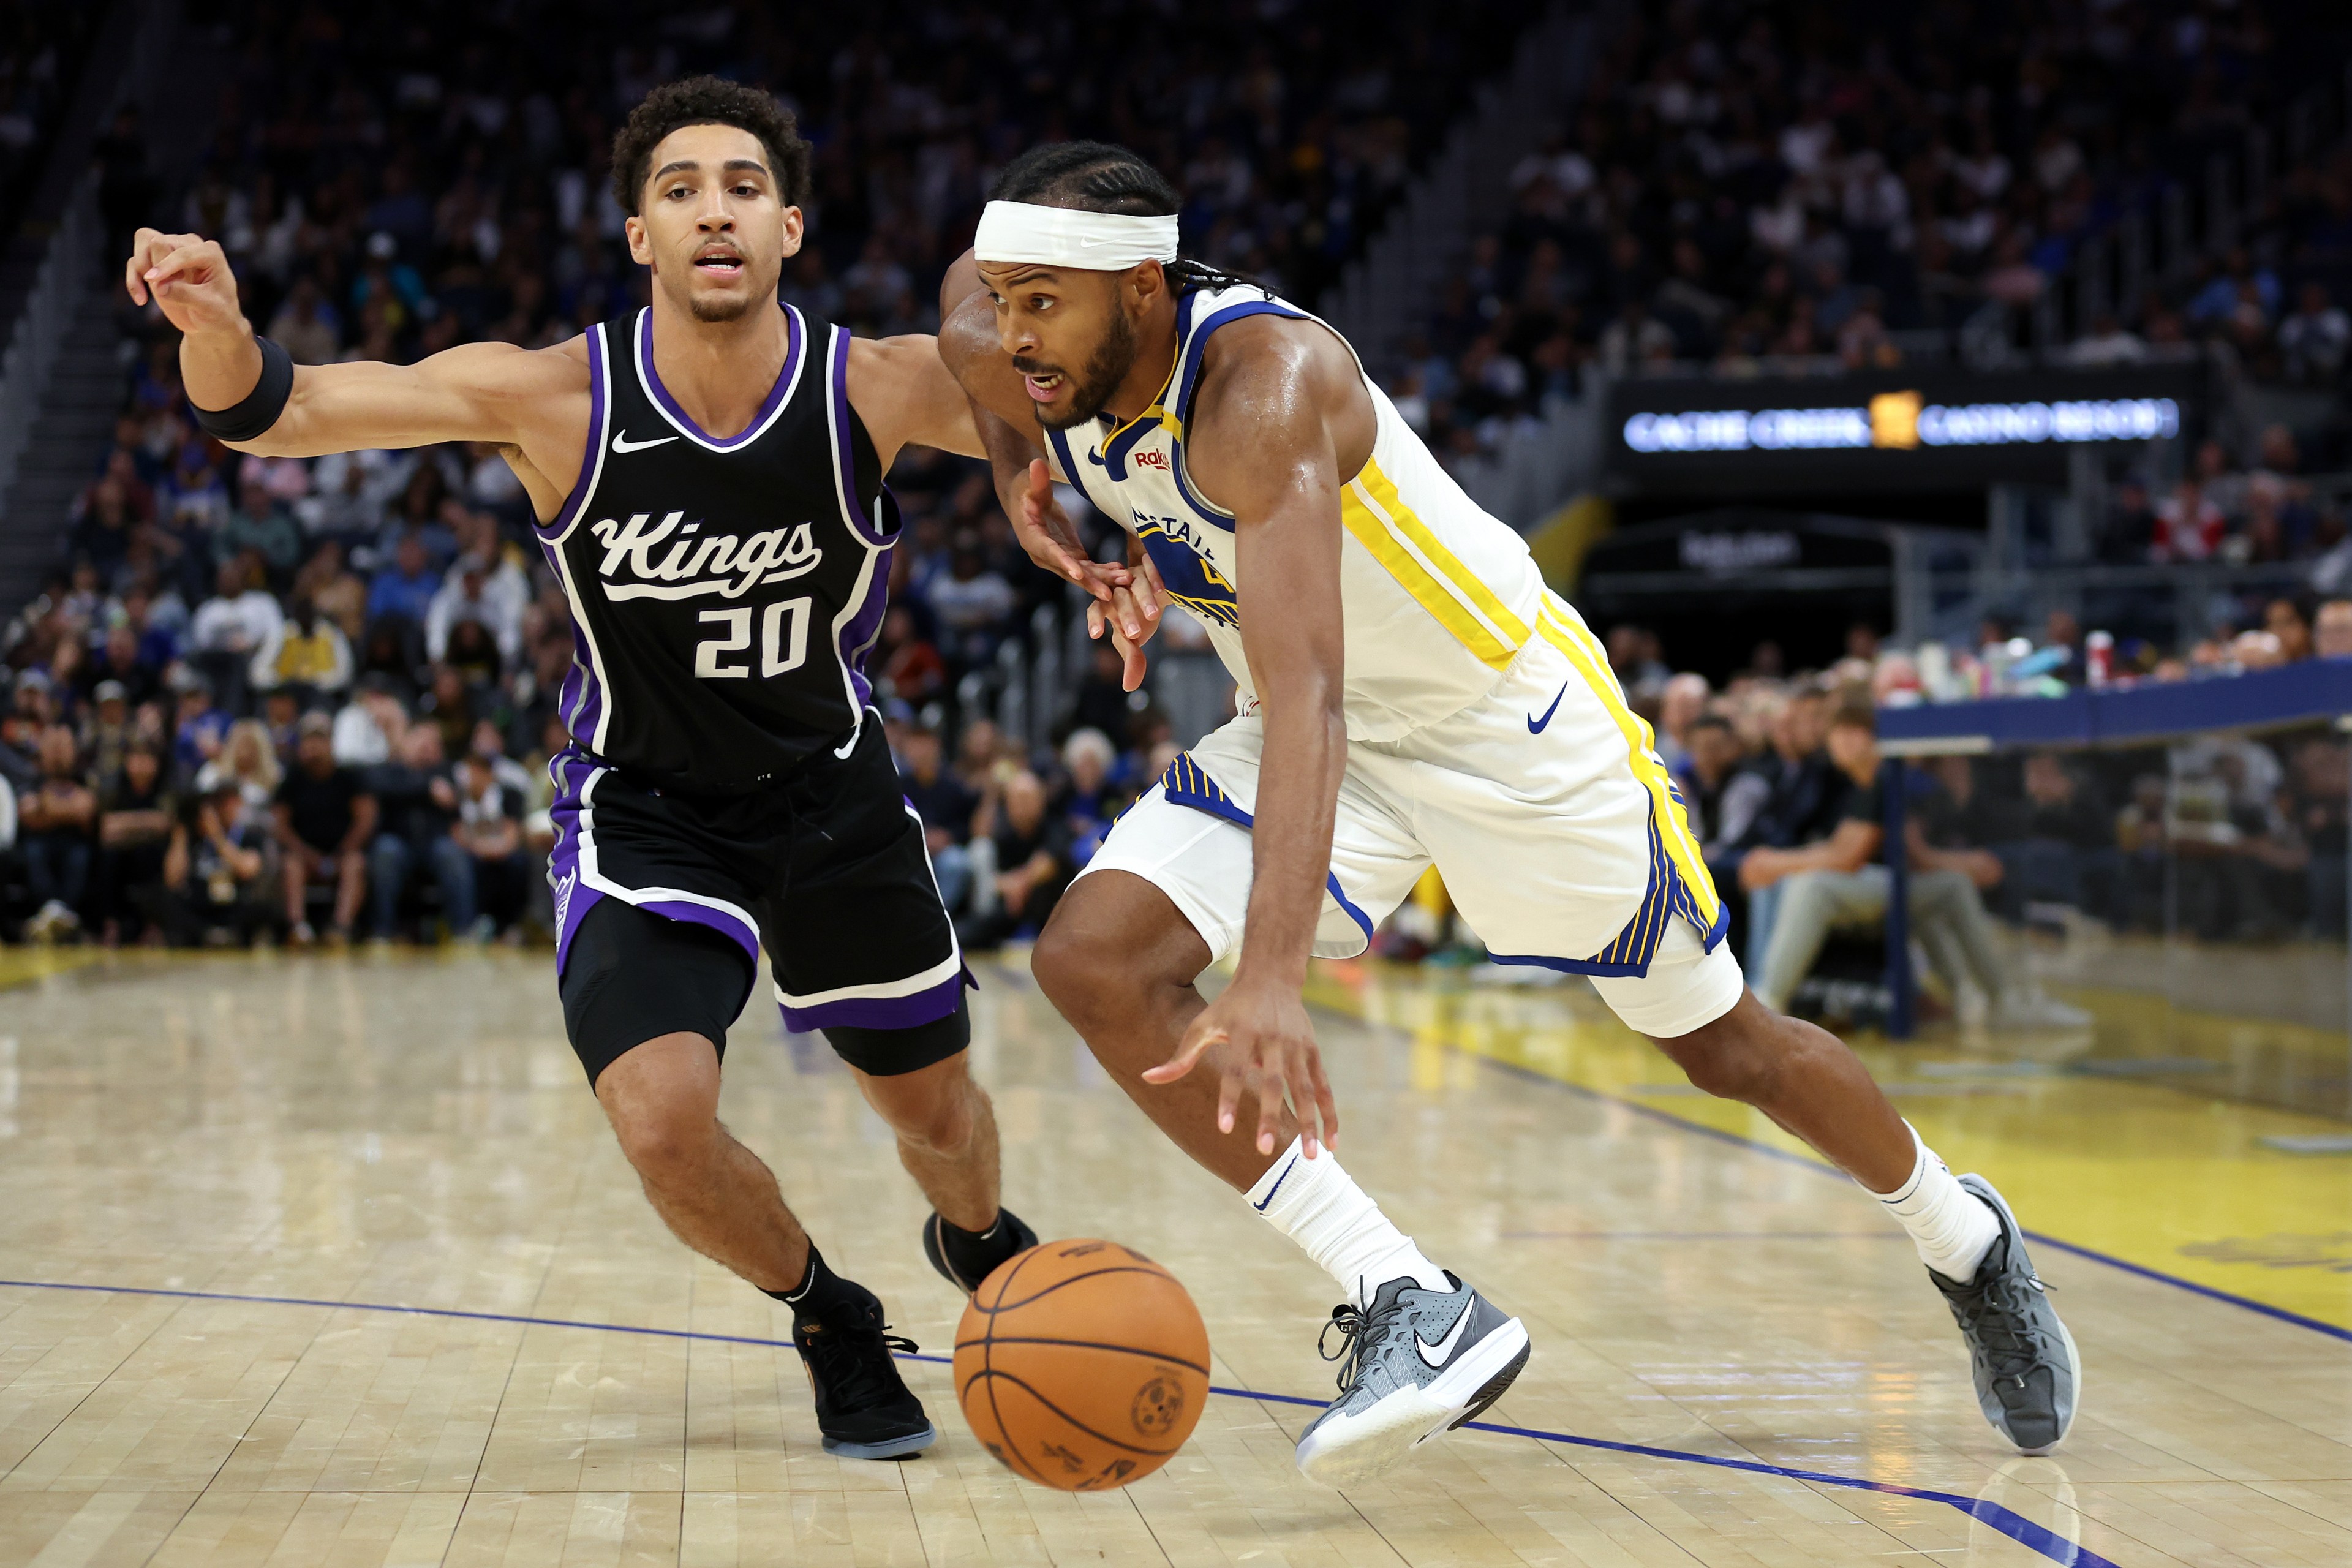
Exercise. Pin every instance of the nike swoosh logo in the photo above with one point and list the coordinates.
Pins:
(1440, 1353)
(621, 443)
(1536, 726)
(1278, 1184)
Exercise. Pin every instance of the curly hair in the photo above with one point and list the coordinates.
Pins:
(1095, 176)
(708, 100)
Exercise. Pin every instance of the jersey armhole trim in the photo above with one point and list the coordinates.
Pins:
(842, 423)
(592, 461)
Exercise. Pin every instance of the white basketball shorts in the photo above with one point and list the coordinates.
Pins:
(1558, 834)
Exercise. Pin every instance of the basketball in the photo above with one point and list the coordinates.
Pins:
(1082, 1364)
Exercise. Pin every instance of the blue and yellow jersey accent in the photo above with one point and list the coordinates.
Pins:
(1436, 597)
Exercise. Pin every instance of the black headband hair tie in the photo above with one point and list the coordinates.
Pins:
(261, 406)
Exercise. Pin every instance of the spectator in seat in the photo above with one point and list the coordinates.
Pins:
(1085, 805)
(1021, 865)
(230, 628)
(908, 660)
(1798, 896)
(946, 806)
(2289, 620)
(489, 830)
(970, 601)
(2332, 629)
(247, 760)
(2065, 851)
(325, 821)
(55, 822)
(262, 526)
(407, 587)
(219, 881)
(1680, 702)
(305, 652)
(416, 804)
(2316, 339)
(106, 731)
(475, 592)
(137, 816)
(2319, 781)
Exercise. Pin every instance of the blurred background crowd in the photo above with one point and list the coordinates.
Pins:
(1756, 188)
(313, 700)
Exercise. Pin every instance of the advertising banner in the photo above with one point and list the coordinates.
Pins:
(1885, 430)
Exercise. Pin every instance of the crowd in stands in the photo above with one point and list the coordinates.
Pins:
(1746, 185)
(2223, 837)
(314, 697)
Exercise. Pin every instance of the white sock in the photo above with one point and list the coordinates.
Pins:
(1951, 1226)
(1319, 1207)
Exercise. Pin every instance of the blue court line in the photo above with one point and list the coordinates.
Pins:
(2016, 1526)
(2040, 1238)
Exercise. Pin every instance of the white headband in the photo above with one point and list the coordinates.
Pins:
(1019, 232)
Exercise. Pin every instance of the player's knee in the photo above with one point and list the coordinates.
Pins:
(665, 1145)
(1732, 1059)
(940, 1126)
(1079, 970)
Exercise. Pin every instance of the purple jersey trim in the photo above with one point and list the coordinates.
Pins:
(845, 455)
(795, 336)
(571, 770)
(592, 458)
(858, 634)
(881, 1012)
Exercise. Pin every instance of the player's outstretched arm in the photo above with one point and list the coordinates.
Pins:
(1276, 428)
(906, 396)
(480, 392)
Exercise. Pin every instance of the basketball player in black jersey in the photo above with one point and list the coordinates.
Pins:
(706, 475)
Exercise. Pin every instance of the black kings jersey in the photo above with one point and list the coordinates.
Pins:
(724, 593)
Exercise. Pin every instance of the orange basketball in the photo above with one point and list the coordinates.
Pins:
(1082, 1364)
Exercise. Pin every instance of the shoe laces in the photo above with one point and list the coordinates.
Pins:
(1998, 1316)
(1360, 1330)
(850, 1353)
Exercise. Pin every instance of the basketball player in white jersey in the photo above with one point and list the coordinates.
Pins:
(1410, 694)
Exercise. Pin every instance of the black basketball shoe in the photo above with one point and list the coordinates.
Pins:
(1008, 1239)
(864, 1408)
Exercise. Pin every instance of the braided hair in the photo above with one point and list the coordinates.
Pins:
(1095, 176)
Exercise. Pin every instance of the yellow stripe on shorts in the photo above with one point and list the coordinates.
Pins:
(1379, 526)
(1565, 633)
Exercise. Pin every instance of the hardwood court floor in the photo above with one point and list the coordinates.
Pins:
(332, 1261)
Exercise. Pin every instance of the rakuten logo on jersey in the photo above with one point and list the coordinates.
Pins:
(694, 563)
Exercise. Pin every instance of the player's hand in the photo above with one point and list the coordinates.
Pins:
(1266, 1045)
(188, 276)
(1046, 533)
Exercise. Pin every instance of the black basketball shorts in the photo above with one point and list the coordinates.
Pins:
(825, 867)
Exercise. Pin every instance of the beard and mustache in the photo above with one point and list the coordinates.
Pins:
(1092, 387)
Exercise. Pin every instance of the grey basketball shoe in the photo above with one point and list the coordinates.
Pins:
(2027, 1375)
(1418, 1362)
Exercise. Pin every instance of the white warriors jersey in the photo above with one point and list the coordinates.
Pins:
(1437, 596)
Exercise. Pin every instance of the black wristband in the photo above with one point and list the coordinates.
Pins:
(261, 406)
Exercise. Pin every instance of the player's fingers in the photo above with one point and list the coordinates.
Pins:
(182, 262)
(1299, 1081)
(1327, 1106)
(1131, 665)
(1197, 1039)
(1269, 1108)
(1229, 1095)
(1130, 617)
(1095, 619)
(1041, 483)
(1153, 601)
